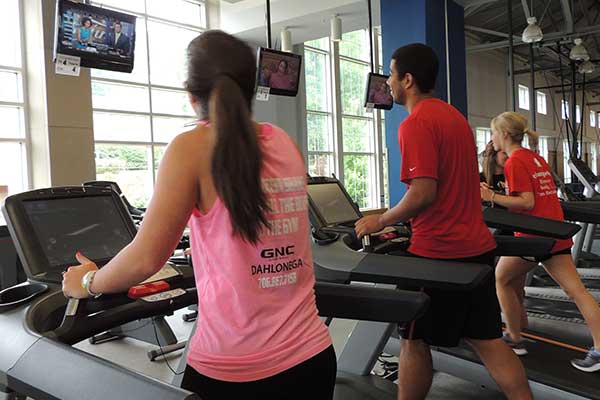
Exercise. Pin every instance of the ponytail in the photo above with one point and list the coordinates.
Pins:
(533, 138)
(221, 77)
(516, 126)
(236, 160)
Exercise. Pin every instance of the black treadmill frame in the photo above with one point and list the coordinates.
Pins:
(30, 251)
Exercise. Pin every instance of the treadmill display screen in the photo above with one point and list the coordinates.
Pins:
(91, 225)
(332, 203)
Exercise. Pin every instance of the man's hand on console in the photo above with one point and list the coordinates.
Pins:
(368, 224)
(72, 278)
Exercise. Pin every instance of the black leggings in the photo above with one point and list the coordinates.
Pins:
(313, 379)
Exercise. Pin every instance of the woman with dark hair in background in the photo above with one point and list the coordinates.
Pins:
(242, 188)
(493, 167)
(84, 33)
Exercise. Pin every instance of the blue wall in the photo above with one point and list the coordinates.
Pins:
(421, 21)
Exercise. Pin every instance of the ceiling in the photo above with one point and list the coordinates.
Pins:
(487, 25)
(306, 19)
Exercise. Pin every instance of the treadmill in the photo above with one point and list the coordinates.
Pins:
(40, 327)
(582, 249)
(550, 374)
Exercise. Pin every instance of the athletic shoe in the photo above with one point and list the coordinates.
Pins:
(518, 347)
(591, 362)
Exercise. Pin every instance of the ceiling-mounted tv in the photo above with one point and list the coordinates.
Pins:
(100, 37)
(279, 71)
(378, 92)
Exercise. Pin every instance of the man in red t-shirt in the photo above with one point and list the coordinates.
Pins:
(442, 203)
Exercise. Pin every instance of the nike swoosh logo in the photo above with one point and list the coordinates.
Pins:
(412, 169)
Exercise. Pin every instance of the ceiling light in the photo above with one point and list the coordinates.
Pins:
(578, 52)
(533, 33)
(336, 29)
(586, 67)
(286, 40)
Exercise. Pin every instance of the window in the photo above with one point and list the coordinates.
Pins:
(543, 146)
(594, 157)
(593, 119)
(566, 169)
(13, 134)
(319, 120)
(566, 156)
(541, 103)
(482, 138)
(523, 97)
(136, 115)
(352, 147)
(564, 109)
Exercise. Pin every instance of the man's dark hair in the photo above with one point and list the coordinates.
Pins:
(420, 61)
(118, 23)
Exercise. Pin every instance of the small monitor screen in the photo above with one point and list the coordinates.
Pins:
(91, 225)
(332, 203)
(279, 71)
(378, 92)
(101, 38)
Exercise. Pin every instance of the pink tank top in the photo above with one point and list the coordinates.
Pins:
(257, 315)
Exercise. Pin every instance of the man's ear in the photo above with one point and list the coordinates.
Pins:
(408, 81)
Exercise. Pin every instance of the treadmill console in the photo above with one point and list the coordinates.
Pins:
(587, 177)
(332, 211)
(50, 225)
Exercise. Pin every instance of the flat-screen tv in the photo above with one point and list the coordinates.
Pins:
(279, 71)
(101, 38)
(378, 92)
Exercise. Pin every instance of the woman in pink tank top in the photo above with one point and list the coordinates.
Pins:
(242, 188)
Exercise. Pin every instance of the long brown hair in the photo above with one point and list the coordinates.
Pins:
(221, 76)
(490, 163)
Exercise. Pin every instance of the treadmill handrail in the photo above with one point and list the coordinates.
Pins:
(515, 246)
(581, 211)
(504, 219)
(343, 264)
(367, 303)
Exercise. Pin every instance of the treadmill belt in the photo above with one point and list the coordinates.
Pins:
(565, 309)
(549, 365)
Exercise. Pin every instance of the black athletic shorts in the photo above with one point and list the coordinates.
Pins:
(549, 256)
(454, 314)
(313, 379)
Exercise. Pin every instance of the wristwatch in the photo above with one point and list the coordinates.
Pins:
(86, 283)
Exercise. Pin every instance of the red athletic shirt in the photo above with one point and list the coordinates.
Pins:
(526, 171)
(437, 142)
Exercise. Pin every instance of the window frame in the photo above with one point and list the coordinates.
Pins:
(542, 100)
(24, 141)
(524, 97)
(375, 119)
(151, 145)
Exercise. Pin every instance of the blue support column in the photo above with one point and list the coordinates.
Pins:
(422, 21)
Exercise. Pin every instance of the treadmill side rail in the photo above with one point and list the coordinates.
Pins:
(87, 377)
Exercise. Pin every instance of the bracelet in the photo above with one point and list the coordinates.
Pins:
(86, 283)
(492, 198)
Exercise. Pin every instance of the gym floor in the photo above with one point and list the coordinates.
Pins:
(132, 354)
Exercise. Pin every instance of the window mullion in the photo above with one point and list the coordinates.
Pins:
(337, 109)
